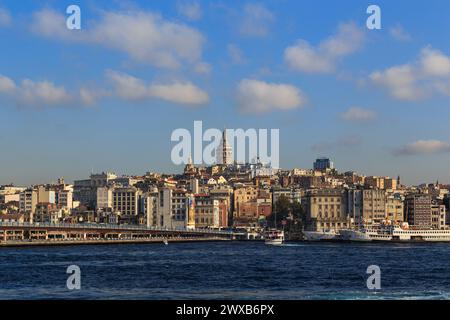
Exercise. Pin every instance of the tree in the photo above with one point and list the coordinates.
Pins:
(281, 210)
(292, 212)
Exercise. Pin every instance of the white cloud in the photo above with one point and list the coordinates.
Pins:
(34, 93)
(399, 33)
(323, 59)
(132, 88)
(423, 147)
(235, 54)
(435, 63)
(43, 93)
(144, 36)
(128, 87)
(256, 96)
(52, 24)
(179, 92)
(429, 75)
(303, 57)
(256, 20)
(7, 85)
(190, 9)
(5, 18)
(90, 96)
(357, 114)
(400, 81)
(203, 68)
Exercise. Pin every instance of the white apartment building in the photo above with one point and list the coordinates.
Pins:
(27, 201)
(65, 198)
(104, 198)
(173, 208)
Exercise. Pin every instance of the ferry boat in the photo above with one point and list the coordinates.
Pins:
(395, 233)
(274, 237)
(326, 235)
(366, 234)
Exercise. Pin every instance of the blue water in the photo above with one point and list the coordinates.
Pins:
(237, 270)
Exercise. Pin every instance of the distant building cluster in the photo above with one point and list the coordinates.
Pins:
(230, 195)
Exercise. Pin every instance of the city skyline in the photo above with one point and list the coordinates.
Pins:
(99, 99)
(319, 164)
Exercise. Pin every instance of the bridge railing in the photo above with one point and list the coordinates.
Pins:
(97, 226)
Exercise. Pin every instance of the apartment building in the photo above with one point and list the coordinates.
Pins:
(325, 209)
(373, 206)
(418, 210)
(438, 216)
(395, 208)
(126, 201)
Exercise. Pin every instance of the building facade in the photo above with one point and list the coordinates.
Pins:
(418, 210)
(325, 209)
(323, 164)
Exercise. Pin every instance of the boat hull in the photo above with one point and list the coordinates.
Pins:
(274, 237)
(395, 235)
(321, 236)
(356, 236)
(277, 242)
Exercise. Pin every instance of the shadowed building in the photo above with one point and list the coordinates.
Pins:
(418, 210)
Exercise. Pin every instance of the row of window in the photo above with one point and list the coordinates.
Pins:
(327, 199)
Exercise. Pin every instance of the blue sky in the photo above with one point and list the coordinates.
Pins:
(108, 97)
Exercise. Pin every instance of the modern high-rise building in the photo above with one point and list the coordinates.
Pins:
(323, 164)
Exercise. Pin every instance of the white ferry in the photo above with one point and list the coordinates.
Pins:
(395, 233)
(366, 234)
(274, 237)
(326, 235)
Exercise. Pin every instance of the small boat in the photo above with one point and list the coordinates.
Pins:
(274, 237)
(165, 242)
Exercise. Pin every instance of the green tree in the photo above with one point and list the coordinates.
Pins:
(281, 210)
(292, 213)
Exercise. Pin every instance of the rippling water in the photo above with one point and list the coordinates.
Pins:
(234, 270)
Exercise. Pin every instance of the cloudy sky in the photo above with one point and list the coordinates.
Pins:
(108, 97)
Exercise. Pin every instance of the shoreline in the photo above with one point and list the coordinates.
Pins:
(11, 244)
(47, 243)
